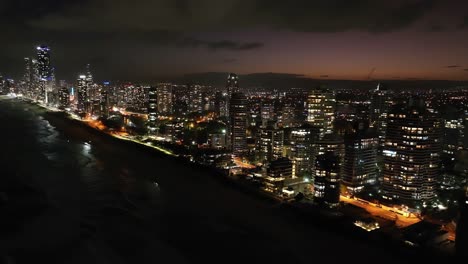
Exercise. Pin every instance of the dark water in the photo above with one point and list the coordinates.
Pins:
(71, 196)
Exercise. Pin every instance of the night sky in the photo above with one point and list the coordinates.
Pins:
(329, 39)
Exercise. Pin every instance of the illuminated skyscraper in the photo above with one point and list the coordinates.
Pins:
(381, 101)
(220, 104)
(64, 98)
(195, 99)
(331, 143)
(267, 113)
(43, 62)
(238, 123)
(104, 100)
(360, 160)
(411, 154)
(44, 71)
(29, 77)
(270, 143)
(164, 97)
(321, 110)
(287, 117)
(82, 104)
(303, 141)
(327, 179)
(152, 109)
(232, 86)
(454, 130)
(278, 171)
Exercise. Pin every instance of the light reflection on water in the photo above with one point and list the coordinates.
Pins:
(84, 183)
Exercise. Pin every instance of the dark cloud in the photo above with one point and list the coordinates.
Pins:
(465, 69)
(191, 15)
(226, 44)
(219, 45)
(336, 15)
(323, 76)
(453, 66)
(148, 35)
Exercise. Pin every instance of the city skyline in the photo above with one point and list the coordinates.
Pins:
(153, 131)
(160, 39)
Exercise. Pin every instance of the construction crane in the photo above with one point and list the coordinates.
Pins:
(369, 76)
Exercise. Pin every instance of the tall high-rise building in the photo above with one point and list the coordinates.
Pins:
(381, 101)
(152, 109)
(181, 100)
(104, 100)
(267, 113)
(43, 63)
(45, 72)
(321, 110)
(278, 171)
(220, 104)
(164, 97)
(28, 77)
(360, 160)
(82, 103)
(330, 143)
(303, 141)
(287, 117)
(89, 75)
(412, 154)
(270, 142)
(64, 98)
(327, 179)
(232, 86)
(454, 133)
(195, 99)
(238, 123)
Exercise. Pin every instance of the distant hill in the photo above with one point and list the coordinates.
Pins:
(285, 81)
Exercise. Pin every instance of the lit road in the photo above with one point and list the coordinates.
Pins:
(384, 212)
(242, 164)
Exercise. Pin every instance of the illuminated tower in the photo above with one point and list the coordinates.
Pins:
(381, 101)
(105, 100)
(360, 160)
(164, 97)
(238, 123)
(327, 179)
(44, 71)
(64, 98)
(43, 62)
(152, 109)
(28, 77)
(232, 86)
(195, 99)
(321, 110)
(303, 140)
(82, 94)
(270, 144)
(411, 154)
